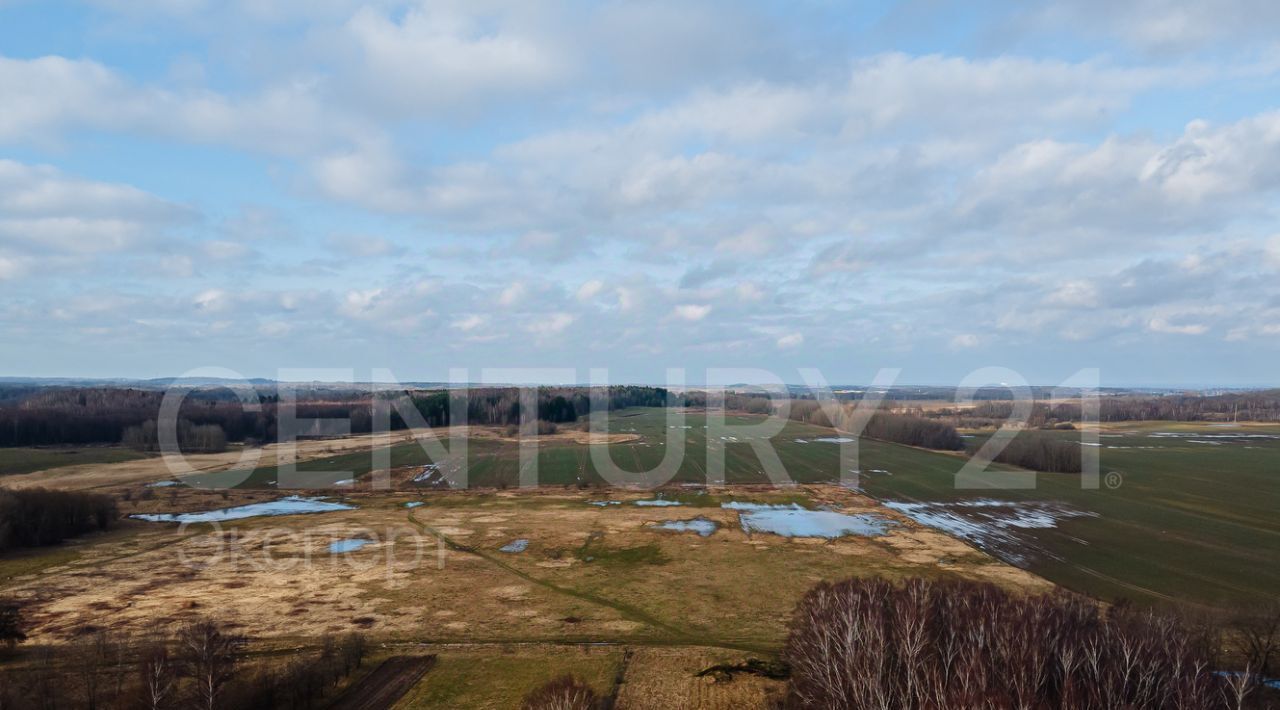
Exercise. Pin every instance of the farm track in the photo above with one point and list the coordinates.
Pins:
(681, 636)
(386, 684)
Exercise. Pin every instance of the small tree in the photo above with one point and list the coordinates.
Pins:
(156, 676)
(352, 650)
(208, 658)
(11, 625)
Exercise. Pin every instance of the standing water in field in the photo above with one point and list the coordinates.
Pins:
(292, 505)
(515, 546)
(794, 521)
(348, 545)
(700, 525)
(992, 525)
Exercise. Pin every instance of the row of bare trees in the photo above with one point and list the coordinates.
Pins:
(897, 428)
(868, 643)
(32, 517)
(202, 666)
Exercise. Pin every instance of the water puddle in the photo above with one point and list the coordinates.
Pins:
(795, 521)
(348, 545)
(699, 525)
(992, 525)
(835, 440)
(164, 484)
(657, 503)
(515, 546)
(603, 503)
(1199, 437)
(292, 505)
(413, 504)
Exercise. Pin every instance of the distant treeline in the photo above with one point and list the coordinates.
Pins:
(502, 407)
(210, 418)
(1242, 406)
(33, 517)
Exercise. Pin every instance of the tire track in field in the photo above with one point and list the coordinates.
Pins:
(626, 610)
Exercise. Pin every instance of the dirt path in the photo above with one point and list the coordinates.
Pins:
(676, 633)
(386, 684)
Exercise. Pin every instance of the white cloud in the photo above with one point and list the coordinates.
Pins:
(691, 311)
(42, 209)
(551, 325)
(469, 323)
(512, 295)
(440, 55)
(791, 340)
(964, 341)
(362, 303)
(1162, 325)
(212, 300)
(589, 290)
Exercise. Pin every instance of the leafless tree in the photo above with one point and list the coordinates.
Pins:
(867, 643)
(208, 659)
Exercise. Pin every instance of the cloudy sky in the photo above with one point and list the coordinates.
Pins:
(928, 185)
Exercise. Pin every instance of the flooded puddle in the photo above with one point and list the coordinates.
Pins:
(603, 503)
(348, 545)
(1214, 439)
(164, 484)
(794, 521)
(515, 546)
(835, 440)
(992, 525)
(292, 505)
(413, 504)
(699, 525)
(657, 503)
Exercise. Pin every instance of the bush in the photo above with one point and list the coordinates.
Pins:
(866, 643)
(564, 693)
(11, 626)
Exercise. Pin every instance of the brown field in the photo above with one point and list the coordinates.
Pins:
(434, 579)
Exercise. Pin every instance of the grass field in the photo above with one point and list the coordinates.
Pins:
(26, 460)
(1188, 517)
(495, 462)
(1191, 519)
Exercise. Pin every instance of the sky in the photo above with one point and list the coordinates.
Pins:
(937, 187)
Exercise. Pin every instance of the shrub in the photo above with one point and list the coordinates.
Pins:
(564, 693)
(866, 643)
(11, 626)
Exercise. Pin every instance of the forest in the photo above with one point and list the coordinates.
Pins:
(208, 419)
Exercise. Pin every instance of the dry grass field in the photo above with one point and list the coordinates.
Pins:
(434, 578)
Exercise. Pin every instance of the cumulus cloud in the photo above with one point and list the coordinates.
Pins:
(790, 340)
(691, 311)
(43, 209)
(589, 290)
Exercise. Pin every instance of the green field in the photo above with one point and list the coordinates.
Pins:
(25, 460)
(1191, 517)
(1189, 521)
